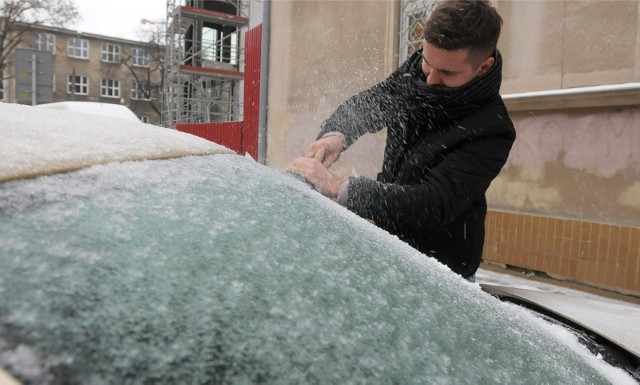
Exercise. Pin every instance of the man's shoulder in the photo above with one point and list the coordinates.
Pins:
(491, 118)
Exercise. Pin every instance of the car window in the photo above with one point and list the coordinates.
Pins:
(216, 269)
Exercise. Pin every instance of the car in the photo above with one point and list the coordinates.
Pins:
(135, 254)
(105, 109)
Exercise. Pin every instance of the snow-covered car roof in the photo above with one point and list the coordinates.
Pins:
(52, 141)
(217, 269)
(96, 108)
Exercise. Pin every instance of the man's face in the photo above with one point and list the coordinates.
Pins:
(450, 68)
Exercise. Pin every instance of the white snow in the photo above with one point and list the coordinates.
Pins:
(38, 141)
(575, 91)
(615, 320)
(74, 140)
(105, 109)
(615, 375)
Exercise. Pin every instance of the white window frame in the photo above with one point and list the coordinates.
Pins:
(213, 42)
(43, 41)
(139, 57)
(3, 90)
(78, 48)
(136, 91)
(81, 85)
(110, 88)
(144, 118)
(111, 53)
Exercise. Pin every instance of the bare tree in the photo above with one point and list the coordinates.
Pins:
(17, 17)
(149, 78)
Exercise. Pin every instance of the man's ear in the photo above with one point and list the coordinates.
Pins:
(486, 64)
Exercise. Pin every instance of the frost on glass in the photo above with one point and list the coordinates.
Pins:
(219, 270)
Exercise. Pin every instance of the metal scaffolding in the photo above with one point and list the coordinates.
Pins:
(204, 61)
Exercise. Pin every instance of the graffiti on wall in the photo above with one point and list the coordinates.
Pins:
(585, 166)
(605, 144)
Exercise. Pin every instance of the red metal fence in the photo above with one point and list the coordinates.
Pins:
(241, 137)
(228, 134)
(253, 56)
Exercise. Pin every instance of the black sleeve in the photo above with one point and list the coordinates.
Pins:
(371, 110)
(445, 190)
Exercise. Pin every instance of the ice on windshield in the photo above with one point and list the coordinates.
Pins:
(218, 270)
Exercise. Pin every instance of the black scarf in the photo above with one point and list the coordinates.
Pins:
(435, 107)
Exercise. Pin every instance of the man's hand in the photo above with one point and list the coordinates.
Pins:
(318, 175)
(325, 150)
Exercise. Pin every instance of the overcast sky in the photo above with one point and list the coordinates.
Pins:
(118, 18)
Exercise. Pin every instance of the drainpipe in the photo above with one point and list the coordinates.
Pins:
(264, 82)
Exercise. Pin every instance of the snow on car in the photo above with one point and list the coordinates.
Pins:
(138, 254)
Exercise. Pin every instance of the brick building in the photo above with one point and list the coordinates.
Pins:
(94, 68)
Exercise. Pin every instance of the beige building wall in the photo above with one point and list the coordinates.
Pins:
(564, 44)
(322, 52)
(568, 201)
(576, 153)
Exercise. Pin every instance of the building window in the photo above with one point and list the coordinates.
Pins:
(110, 88)
(219, 47)
(78, 85)
(139, 57)
(44, 42)
(2, 85)
(79, 48)
(412, 23)
(110, 53)
(139, 91)
(144, 119)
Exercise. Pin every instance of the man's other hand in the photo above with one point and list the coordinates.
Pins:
(325, 150)
(318, 175)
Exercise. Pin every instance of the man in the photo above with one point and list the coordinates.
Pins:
(448, 136)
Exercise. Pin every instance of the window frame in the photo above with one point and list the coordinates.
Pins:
(82, 84)
(110, 52)
(110, 86)
(139, 55)
(412, 22)
(137, 91)
(49, 43)
(73, 49)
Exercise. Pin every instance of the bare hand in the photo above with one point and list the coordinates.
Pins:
(325, 150)
(318, 175)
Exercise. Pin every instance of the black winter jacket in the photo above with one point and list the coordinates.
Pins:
(443, 149)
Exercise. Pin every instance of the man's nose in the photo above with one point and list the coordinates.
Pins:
(433, 78)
